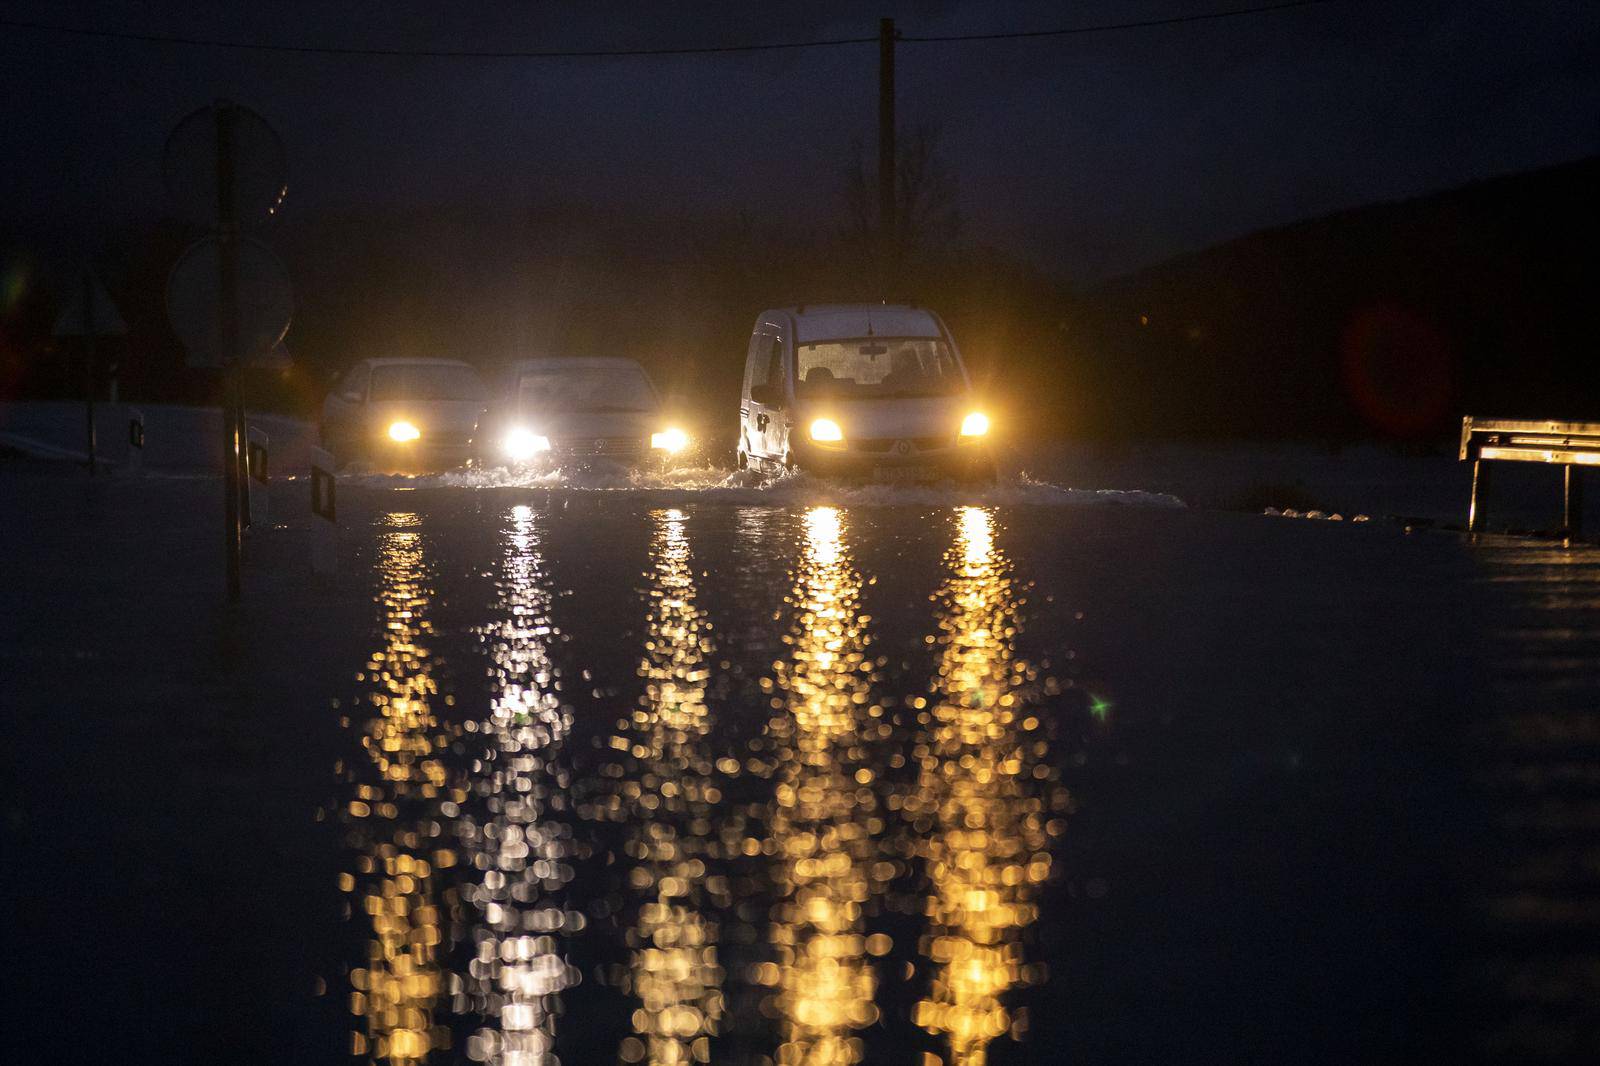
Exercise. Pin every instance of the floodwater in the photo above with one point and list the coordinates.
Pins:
(621, 777)
(721, 813)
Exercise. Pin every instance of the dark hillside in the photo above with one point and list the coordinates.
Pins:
(1390, 320)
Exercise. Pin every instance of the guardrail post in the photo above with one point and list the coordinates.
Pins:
(324, 514)
(256, 451)
(1478, 506)
(1572, 501)
(135, 442)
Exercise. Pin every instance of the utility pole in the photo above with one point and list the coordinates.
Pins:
(887, 223)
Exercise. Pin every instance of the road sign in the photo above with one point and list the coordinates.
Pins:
(266, 302)
(89, 312)
(193, 156)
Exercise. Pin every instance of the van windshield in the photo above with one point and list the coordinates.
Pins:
(426, 381)
(877, 367)
(588, 388)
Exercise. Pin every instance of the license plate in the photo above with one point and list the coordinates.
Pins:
(901, 474)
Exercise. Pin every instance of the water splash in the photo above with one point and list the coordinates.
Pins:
(719, 485)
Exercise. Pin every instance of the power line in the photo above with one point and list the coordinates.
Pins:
(620, 53)
(412, 53)
(1172, 20)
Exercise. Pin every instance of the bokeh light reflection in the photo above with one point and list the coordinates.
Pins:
(667, 791)
(391, 817)
(512, 828)
(824, 819)
(991, 815)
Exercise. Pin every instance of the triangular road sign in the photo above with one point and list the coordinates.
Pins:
(89, 312)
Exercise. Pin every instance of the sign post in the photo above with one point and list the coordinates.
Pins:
(88, 378)
(228, 341)
(89, 313)
(228, 296)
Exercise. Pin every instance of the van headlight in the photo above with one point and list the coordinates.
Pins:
(403, 431)
(671, 440)
(521, 444)
(975, 425)
(826, 431)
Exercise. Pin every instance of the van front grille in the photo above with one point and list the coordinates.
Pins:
(881, 445)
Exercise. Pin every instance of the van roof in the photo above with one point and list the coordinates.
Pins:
(570, 362)
(825, 322)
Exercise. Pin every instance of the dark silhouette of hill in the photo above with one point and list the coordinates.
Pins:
(1390, 320)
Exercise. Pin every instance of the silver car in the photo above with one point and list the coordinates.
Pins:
(581, 411)
(405, 415)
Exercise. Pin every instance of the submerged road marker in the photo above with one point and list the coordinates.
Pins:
(256, 486)
(324, 514)
(135, 441)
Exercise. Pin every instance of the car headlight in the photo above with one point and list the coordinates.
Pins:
(522, 443)
(403, 431)
(826, 431)
(671, 440)
(975, 425)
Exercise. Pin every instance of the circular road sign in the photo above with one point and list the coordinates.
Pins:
(192, 157)
(266, 302)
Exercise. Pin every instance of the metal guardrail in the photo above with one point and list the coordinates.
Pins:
(1570, 445)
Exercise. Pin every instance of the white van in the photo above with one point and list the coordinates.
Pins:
(874, 390)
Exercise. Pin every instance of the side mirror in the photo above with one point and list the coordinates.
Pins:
(767, 395)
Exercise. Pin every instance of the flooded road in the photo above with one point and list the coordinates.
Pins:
(556, 779)
(752, 826)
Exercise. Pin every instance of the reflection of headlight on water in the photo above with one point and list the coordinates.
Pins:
(977, 535)
(403, 431)
(521, 444)
(671, 441)
(824, 529)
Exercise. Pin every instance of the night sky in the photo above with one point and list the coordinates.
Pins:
(1090, 155)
